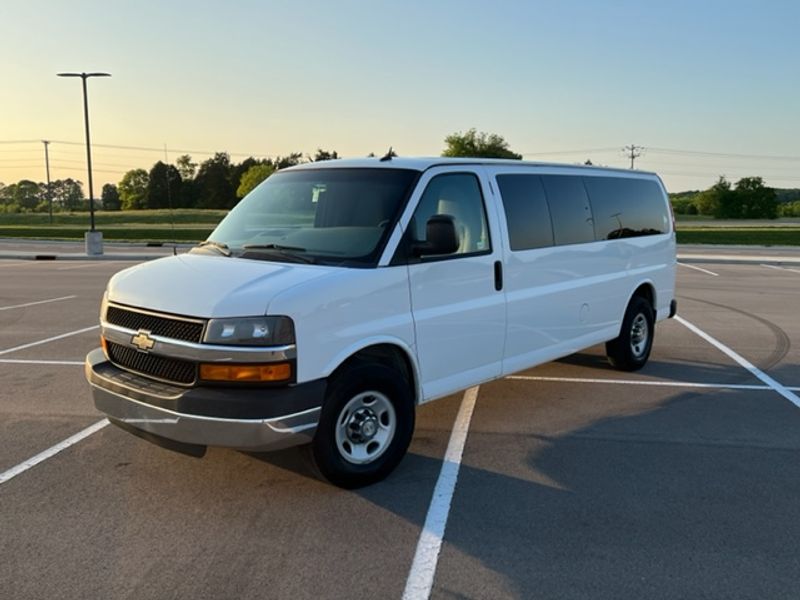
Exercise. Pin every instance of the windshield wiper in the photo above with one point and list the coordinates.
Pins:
(273, 247)
(218, 246)
(286, 252)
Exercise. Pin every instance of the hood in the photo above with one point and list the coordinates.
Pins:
(208, 286)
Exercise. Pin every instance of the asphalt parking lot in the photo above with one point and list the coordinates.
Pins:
(576, 480)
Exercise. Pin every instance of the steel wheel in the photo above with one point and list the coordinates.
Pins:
(630, 350)
(640, 334)
(365, 427)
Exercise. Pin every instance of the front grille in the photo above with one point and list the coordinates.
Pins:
(177, 329)
(166, 369)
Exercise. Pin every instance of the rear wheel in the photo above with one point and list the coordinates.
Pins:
(631, 349)
(365, 426)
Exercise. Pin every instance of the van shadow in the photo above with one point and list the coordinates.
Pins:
(695, 371)
(696, 498)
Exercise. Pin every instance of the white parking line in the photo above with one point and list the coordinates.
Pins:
(85, 266)
(22, 361)
(14, 264)
(52, 451)
(777, 268)
(50, 339)
(420, 579)
(781, 389)
(680, 384)
(699, 269)
(37, 302)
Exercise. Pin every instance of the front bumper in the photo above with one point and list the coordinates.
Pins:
(254, 419)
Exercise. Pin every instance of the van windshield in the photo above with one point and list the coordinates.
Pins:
(329, 216)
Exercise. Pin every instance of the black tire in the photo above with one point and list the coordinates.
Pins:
(362, 389)
(631, 349)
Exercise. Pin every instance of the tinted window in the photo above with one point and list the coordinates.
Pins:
(569, 209)
(458, 195)
(527, 214)
(626, 207)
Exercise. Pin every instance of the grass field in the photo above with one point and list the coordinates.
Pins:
(137, 233)
(745, 236)
(179, 216)
(189, 225)
(180, 225)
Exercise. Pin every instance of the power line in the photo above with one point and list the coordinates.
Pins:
(717, 165)
(654, 149)
(160, 150)
(721, 154)
(583, 151)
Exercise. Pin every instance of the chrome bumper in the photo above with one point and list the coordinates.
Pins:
(116, 401)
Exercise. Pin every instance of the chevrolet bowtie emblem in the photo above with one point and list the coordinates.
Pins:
(143, 341)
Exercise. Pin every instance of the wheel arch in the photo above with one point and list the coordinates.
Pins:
(646, 289)
(391, 353)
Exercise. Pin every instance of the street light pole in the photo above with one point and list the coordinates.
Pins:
(94, 240)
(47, 168)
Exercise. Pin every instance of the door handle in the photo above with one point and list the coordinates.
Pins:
(498, 275)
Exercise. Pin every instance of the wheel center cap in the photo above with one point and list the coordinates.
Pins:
(369, 428)
(363, 426)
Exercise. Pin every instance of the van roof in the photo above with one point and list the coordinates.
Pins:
(423, 163)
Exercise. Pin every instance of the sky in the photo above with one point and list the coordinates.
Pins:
(707, 87)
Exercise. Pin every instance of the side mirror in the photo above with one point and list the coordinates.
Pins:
(441, 237)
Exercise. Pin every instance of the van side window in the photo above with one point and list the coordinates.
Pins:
(458, 195)
(527, 213)
(626, 207)
(569, 209)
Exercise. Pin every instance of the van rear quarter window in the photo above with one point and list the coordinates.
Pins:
(626, 207)
(527, 213)
(569, 209)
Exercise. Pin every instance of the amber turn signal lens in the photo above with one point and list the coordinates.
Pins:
(223, 372)
(104, 345)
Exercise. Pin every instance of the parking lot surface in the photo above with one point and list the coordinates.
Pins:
(576, 480)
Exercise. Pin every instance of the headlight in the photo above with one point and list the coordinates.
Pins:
(250, 331)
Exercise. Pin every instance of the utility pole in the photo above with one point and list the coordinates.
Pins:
(633, 152)
(47, 168)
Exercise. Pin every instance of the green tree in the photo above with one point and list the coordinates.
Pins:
(186, 167)
(163, 186)
(27, 194)
(284, 162)
(324, 155)
(133, 189)
(110, 197)
(254, 175)
(478, 145)
(755, 200)
(67, 193)
(189, 193)
(214, 189)
(239, 169)
(709, 201)
(790, 209)
(684, 206)
(7, 204)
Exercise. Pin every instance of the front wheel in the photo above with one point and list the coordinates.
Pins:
(365, 427)
(631, 349)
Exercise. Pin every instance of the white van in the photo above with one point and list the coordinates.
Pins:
(339, 295)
